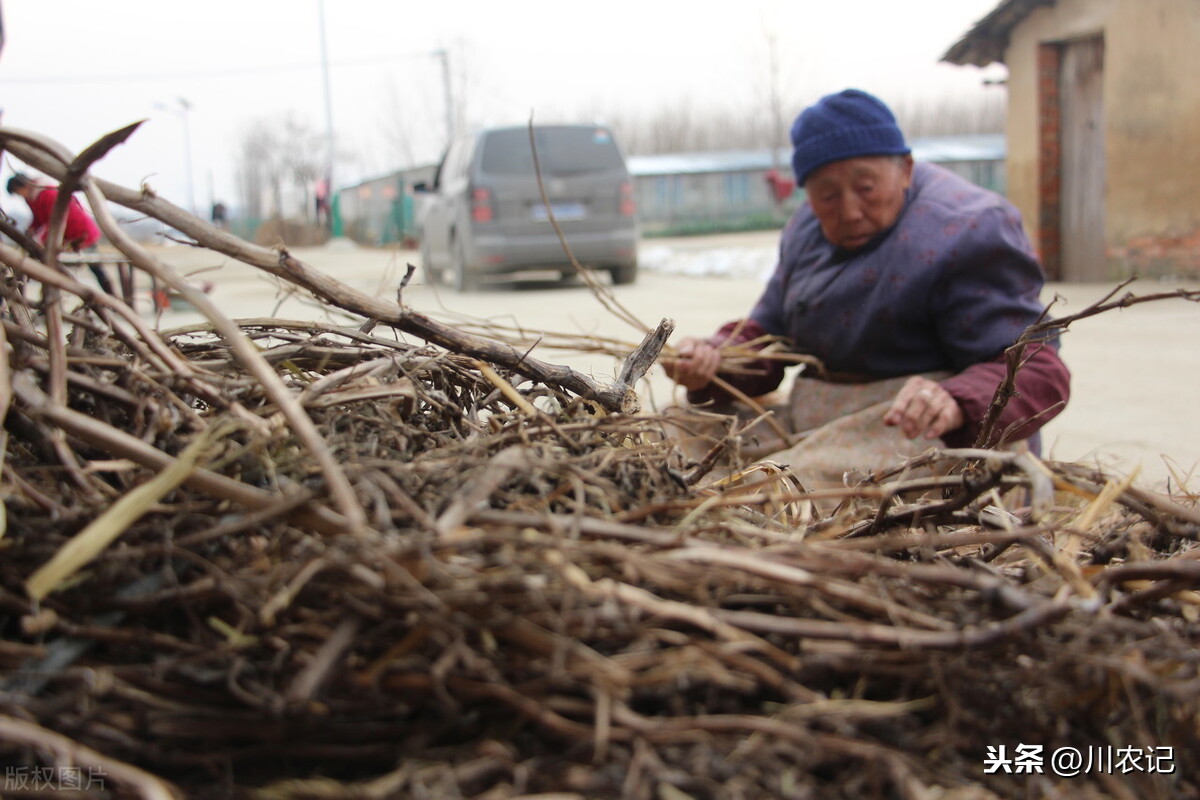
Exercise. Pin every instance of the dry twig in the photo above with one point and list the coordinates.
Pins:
(547, 606)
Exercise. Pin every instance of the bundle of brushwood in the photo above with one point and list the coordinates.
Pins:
(274, 559)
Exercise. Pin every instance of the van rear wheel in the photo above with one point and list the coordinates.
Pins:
(463, 277)
(624, 274)
(433, 273)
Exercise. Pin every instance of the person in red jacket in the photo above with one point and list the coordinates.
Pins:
(81, 232)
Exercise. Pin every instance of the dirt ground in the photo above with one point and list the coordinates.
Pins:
(1136, 371)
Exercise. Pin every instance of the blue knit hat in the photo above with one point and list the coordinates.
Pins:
(845, 125)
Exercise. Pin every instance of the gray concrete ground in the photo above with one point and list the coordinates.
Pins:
(1136, 371)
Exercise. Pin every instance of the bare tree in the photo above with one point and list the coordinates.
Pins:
(434, 100)
(302, 160)
(397, 124)
(278, 155)
(777, 137)
(952, 114)
(258, 172)
(680, 127)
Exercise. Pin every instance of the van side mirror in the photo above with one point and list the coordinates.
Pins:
(421, 187)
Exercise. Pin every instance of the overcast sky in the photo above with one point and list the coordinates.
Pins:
(76, 69)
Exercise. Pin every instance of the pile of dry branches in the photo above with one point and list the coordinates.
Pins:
(289, 560)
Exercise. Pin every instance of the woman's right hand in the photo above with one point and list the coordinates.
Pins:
(696, 364)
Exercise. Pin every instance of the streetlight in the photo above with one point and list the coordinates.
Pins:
(183, 109)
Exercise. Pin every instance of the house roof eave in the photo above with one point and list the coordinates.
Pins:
(987, 41)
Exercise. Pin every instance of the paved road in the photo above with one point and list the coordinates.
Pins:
(1136, 371)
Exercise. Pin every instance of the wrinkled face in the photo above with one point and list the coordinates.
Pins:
(858, 198)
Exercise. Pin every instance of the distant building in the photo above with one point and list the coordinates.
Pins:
(727, 190)
(1102, 130)
(691, 192)
(382, 210)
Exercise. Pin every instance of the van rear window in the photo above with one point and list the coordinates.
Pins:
(560, 151)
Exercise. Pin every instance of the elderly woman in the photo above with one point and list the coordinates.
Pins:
(907, 283)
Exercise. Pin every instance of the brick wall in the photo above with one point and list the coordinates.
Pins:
(1049, 244)
(1157, 255)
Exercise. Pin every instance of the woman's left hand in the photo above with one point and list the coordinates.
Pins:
(923, 407)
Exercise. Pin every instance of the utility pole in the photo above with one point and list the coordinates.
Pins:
(329, 145)
(444, 55)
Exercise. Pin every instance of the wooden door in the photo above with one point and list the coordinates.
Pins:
(1081, 95)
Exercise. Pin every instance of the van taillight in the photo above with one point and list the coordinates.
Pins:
(627, 205)
(481, 205)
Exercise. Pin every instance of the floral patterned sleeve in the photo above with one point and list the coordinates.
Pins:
(1043, 386)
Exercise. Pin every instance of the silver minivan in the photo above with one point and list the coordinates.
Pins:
(483, 215)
